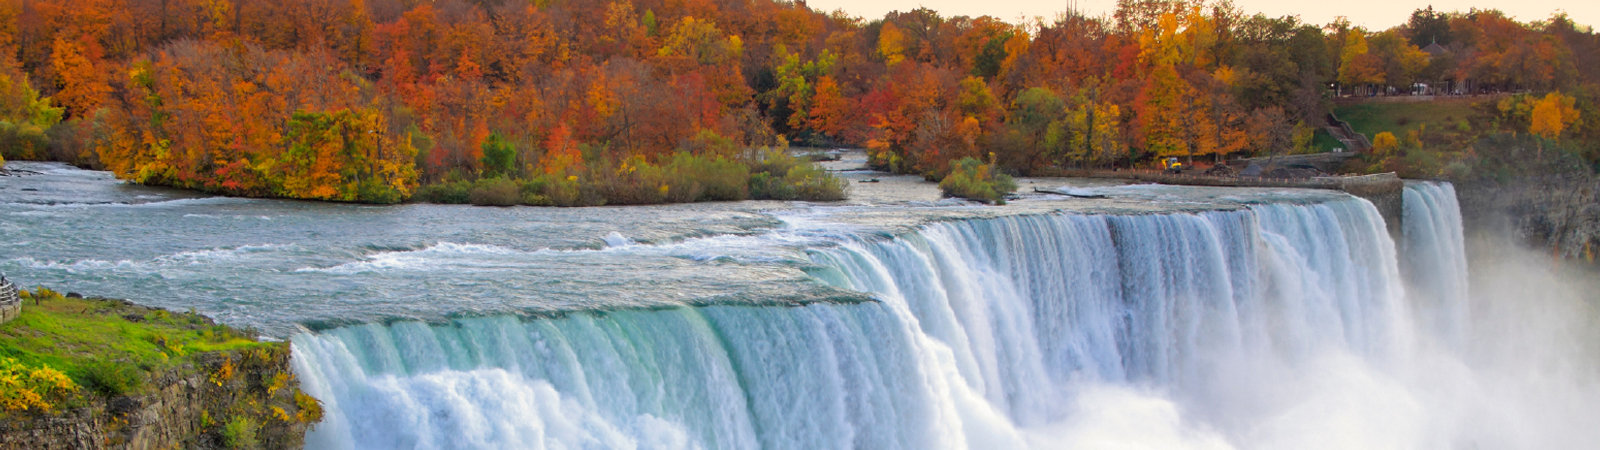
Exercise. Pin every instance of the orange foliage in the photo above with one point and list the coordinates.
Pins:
(361, 100)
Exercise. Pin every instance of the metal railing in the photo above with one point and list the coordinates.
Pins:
(8, 293)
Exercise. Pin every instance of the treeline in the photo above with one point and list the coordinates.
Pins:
(593, 101)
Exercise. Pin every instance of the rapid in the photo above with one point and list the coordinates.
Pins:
(1262, 319)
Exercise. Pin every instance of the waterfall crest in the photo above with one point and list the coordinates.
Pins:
(1188, 330)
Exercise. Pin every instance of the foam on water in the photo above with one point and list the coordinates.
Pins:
(1280, 325)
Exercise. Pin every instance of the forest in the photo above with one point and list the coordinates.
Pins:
(587, 102)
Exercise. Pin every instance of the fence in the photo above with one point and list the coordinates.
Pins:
(10, 302)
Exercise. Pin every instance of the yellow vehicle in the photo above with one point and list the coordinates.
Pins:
(1172, 165)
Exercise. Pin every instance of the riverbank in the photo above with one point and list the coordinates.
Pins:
(89, 373)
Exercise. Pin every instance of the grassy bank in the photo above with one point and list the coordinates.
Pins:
(1403, 117)
(98, 356)
(105, 347)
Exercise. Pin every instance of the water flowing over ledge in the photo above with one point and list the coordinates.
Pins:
(1279, 325)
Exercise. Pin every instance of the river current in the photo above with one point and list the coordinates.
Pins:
(1157, 317)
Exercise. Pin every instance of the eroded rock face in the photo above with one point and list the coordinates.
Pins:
(1556, 213)
(190, 408)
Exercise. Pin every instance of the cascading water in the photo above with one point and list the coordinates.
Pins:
(1435, 259)
(1196, 307)
(1203, 330)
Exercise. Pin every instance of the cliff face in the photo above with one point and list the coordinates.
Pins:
(242, 399)
(1557, 213)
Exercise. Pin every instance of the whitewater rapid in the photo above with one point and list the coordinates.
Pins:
(1272, 326)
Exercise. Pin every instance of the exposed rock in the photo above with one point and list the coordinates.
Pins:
(188, 407)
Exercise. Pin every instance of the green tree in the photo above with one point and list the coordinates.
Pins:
(499, 156)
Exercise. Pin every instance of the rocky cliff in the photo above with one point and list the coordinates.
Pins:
(231, 400)
(241, 397)
(1558, 213)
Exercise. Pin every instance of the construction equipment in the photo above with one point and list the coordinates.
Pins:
(1171, 165)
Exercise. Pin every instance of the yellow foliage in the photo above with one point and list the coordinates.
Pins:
(279, 381)
(224, 373)
(1553, 114)
(31, 389)
(1385, 143)
(891, 44)
(280, 414)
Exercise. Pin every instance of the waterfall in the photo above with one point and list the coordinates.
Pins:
(1271, 326)
(1435, 259)
(1035, 307)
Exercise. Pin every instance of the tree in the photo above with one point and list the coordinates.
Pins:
(499, 156)
(1356, 65)
(891, 44)
(1161, 113)
(342, 156)
(82, 86)
(1384, 144)
(1552, 114)
(1427, 26)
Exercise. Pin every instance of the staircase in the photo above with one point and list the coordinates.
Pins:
(1353, 141)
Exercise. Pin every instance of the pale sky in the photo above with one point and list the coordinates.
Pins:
(1373, 14)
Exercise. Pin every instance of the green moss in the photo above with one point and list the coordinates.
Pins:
(109, 346)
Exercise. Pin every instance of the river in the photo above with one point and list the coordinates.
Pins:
(1157, 317)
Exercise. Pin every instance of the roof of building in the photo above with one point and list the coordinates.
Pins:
(1435, 49)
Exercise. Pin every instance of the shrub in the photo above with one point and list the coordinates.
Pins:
(453, 193)
(692, 178)
(685, 177)
(495, 192)
(112, 379)
(972, 179)
(25, 388)
(779, 176)
(308, 408)
(240, 433)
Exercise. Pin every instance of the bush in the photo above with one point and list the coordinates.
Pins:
(450, 193)
(240, 433)
(22, 141)
(686, 177)
(705, 178)
(25, 388)
(779, 176)
(972, 179)
(495, 192)
(112, 379)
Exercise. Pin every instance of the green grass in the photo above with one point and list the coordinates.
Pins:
(1399, 118)
(107, 345)
(1321, 141)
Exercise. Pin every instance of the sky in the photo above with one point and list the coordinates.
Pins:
(1373, 14)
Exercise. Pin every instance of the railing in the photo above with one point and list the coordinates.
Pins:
(8, 293)
(10, 302)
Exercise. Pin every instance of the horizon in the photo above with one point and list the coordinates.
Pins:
(1373, 15)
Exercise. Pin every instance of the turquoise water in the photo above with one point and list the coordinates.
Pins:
(1161, 317)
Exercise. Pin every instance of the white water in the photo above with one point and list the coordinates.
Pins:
(1280, 326)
